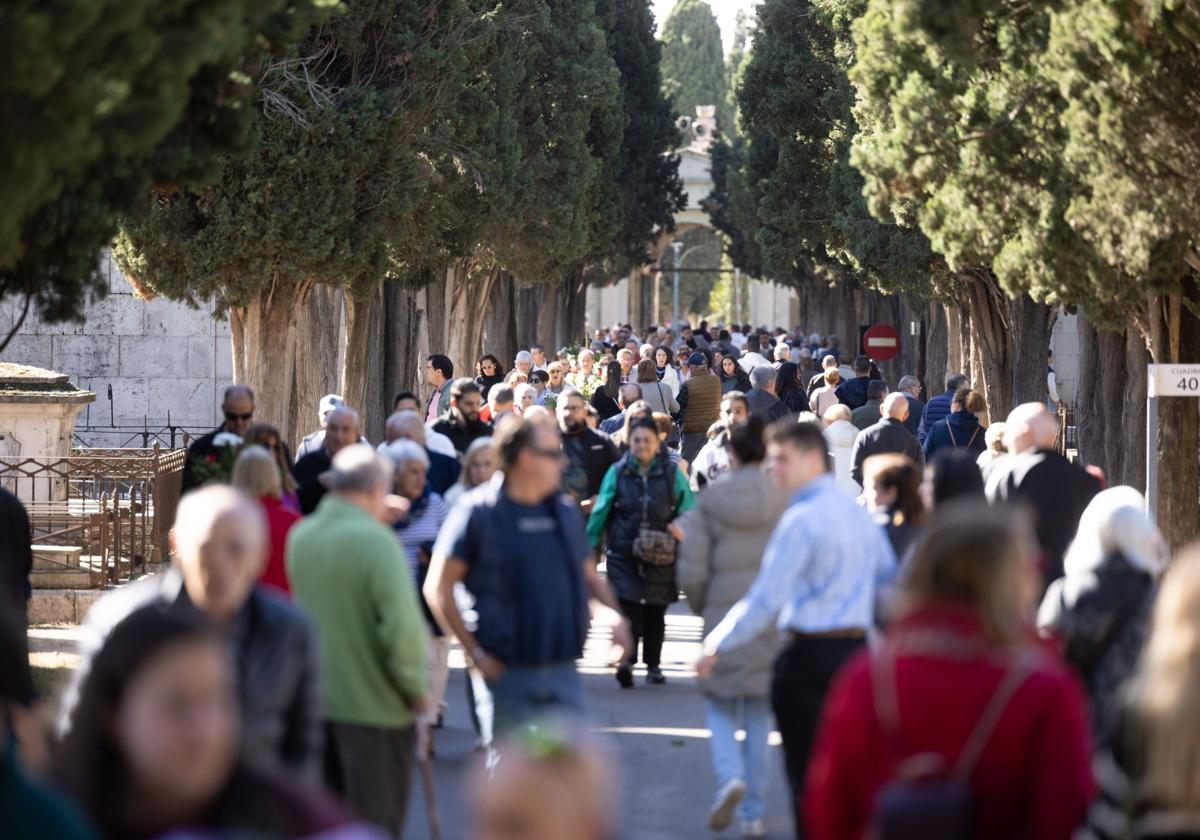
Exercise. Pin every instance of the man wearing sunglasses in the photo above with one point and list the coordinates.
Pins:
(238, 408)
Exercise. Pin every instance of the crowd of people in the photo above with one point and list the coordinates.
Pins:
(955, 630)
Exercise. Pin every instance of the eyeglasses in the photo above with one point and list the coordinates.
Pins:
(553, 454)
(231, 416)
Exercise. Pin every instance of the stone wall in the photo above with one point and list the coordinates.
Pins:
(165, 362)
(1064, 340)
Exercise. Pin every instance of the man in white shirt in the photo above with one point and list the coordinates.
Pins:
(712, 462)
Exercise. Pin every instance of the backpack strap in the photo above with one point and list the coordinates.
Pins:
(977, 740)
(887, 706)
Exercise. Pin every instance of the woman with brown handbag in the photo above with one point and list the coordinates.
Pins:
(640, 497)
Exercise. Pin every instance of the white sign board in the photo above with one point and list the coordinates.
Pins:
(1173, 381)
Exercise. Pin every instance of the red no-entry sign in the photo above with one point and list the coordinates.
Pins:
(881, 342)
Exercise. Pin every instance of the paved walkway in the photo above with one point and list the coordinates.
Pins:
(658, 736)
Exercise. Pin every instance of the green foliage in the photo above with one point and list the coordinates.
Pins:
(100, 101)
(1055, 142)
(333, 171)
(647, 180)
(796, 91)
(693, 63)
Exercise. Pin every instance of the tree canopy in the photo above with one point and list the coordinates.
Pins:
(693, 60)
(1054, 142)
(102, 100)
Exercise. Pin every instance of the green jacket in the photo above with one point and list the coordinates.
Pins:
(348, 573)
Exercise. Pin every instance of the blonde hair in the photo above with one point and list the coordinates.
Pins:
(837, 412)
(256, 474)
(971, 555)
(1165, 690)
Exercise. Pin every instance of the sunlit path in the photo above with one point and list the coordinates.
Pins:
(657, 733)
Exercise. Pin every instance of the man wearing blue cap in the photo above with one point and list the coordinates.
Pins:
(699, 405)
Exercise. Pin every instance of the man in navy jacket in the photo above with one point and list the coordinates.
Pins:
(938, 408)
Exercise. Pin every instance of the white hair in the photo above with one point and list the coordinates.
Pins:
(519, 392)
(400, 452)
(199, 510)
(1115, 522)
(524, 356)
(782, 352)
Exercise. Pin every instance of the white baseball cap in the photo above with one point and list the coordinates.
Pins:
(328, 403)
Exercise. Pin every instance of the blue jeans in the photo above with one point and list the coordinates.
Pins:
(526, 692)
(745, 760)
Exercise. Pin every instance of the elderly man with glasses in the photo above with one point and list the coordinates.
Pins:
(238, 408)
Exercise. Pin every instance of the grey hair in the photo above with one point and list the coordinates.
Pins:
(400, 452)
(908, 382)
(235, 391)
(405, 424)
(524, 356)
(346, 410)
(359, 469)
(762, 377)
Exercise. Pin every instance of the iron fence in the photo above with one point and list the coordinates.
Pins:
(116, 504)
(132, 436)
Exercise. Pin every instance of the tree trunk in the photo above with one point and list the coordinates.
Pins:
(237, 340)
(990, 336)
(1133, 414)
(315, 359)
(937, 351)
(1032, 323)
(1110, 400)
(956, 353)
(1175, 336)
(400, 337)
(266, 332)
(499, 324)
(1089, 420)
(363, 360)
(549, 315)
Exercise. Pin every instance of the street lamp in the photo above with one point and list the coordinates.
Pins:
(676, 246)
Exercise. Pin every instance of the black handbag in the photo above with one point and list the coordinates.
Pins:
(925, 798)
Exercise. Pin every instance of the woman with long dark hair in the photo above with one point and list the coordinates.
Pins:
(665, 370)
(789, 388)
(488, 372)
(604, 400)
(733, 378)
(154, 742)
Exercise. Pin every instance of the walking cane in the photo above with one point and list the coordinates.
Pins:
(424, 742)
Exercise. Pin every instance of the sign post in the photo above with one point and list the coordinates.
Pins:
(881, 342)
(1163, 381)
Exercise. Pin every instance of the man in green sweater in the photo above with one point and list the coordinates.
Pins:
(348, 573)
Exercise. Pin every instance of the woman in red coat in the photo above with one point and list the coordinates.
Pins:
(962, 626)
(256, 474)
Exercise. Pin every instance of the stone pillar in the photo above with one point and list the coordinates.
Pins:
(38, 408)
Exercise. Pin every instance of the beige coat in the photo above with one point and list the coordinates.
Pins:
(725, 535)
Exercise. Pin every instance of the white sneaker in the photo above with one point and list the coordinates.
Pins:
(753, 828)
(727, 800)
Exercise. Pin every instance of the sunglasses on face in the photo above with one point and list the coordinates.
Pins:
(231, 416)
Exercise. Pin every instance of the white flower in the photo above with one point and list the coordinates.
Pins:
(227, 439)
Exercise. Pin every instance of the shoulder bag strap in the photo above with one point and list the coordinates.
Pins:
(977, 740)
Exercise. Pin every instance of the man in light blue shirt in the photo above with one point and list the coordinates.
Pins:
(821, 572)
